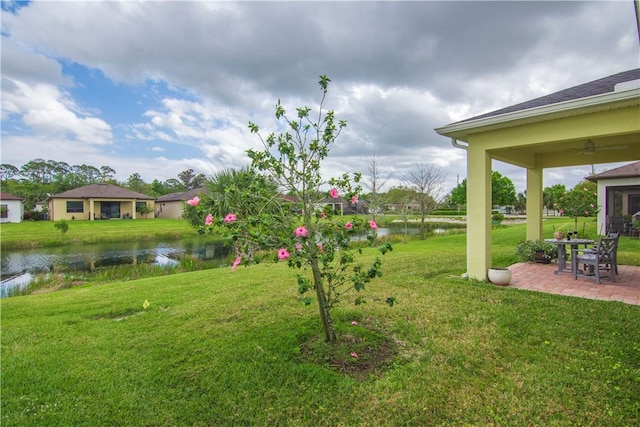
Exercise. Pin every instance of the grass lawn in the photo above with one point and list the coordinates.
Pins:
(31, 234)
(218, 347)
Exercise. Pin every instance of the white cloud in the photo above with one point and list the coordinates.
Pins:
(49, 111)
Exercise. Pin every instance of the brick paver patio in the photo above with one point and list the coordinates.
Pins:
(541, 277)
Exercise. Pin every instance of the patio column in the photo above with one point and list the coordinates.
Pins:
(91, 210)
(478, 212)
(605, 203)
(534, 204)
(133, 209)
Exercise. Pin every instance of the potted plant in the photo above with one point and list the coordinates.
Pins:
(536, 251)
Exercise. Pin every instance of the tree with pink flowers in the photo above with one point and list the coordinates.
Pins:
(580, 201)
(306, 236)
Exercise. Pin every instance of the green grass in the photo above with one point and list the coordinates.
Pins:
(31, 234)
(218, 347)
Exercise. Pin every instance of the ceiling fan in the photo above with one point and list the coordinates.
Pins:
(590, 148)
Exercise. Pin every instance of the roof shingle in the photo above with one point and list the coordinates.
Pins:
(101, 191)
(596, 87)
(632, 170)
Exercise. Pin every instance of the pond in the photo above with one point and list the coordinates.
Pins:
(18, 266)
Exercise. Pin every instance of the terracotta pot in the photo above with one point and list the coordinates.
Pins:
(558, 235)
(499, 276)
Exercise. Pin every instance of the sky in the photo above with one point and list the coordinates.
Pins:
(156, 88)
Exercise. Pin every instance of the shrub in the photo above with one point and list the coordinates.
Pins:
(497, 217)
(526, 250)
(61, 226)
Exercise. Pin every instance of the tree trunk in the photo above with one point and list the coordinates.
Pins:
(329, 331)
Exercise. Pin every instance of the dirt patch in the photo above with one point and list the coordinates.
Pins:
(360, 353)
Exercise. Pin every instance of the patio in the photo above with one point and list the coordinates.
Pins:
(541, 277)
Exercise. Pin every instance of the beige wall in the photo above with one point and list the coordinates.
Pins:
(169, 209)
(58, 209)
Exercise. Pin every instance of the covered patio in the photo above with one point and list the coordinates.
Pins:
(593, 123)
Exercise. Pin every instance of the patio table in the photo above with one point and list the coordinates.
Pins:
(562, 250)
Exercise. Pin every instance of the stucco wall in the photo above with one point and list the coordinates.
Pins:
(58, 209)
(15, 210)
(169, 209)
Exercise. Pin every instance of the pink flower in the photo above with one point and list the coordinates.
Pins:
(333, 193)
(592, 205)
(354, 323)
(354, 199)
(354, 355)
(323, 215)
(208, 220)
(348, 226)
(561, 211)
(373, 225)
(320, 247)
(298, 246)
(283, 254)
(230, 218)
(586, 213)
(300, 232)
(194, 201)
(235, 263)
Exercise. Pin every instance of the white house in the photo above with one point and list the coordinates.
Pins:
(11, 208)
(618, 197)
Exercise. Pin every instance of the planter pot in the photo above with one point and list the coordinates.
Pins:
(499, 276)
(558, 235)
(541, 258)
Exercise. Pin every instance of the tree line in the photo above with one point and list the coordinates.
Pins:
(38, 179)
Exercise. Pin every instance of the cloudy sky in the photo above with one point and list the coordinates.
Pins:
(160, 87)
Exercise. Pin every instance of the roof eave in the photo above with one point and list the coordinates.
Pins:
(460, 130)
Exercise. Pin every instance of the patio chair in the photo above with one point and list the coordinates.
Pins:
(616, 236)
(595, 261)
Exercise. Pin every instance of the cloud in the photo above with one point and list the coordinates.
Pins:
(48, 110)
(199, 71)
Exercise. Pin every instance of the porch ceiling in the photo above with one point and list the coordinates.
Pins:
(576, 152)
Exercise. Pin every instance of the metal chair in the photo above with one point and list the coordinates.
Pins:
(600, 258)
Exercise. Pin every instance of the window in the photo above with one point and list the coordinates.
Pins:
(141, 207)
(4, 211)
(75, 207)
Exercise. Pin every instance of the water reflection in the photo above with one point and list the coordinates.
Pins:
(11, 283)
(91, 257)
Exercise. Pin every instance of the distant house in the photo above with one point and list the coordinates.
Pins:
(618, 197)
(11, 208)
(344, 207)
(41, 206)
(172, 205)
(100, 201)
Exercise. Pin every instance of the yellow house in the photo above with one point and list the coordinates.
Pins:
(172, 205)
(100, 201)
(593, 123)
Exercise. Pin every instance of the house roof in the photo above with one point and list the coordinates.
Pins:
(585, 90)
(183, 196)
(632, 170)
(333, 200)
(287, 198)
(101, 191)
(7, 196)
